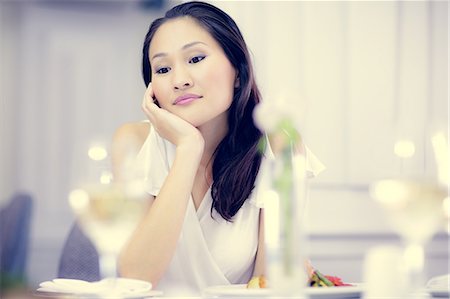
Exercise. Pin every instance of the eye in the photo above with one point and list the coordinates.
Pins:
(162, 70)
(196, 59)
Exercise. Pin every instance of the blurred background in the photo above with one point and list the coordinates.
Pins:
(362, 76)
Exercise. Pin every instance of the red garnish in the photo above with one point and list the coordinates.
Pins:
(337, 281)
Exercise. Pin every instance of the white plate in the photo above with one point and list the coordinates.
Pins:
(127, 288)
(52, 294)
(353, 291)
(240, 290)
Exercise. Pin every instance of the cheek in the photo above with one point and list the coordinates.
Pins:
(222, 82)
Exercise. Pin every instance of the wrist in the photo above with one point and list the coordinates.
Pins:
(192, 146)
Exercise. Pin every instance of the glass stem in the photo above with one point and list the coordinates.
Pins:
(108, 265)
(415, 261)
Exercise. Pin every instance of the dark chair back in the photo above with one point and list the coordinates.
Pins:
(15, 219)
(79, 258)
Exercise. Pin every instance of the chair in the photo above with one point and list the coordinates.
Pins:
(15, 220)
(79, 258)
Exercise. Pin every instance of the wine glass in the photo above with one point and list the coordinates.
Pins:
(415, 209)
(108, 211)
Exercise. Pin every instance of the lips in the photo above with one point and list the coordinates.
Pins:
(186, 99)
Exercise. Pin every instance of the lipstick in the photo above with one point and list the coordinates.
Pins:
(186, 99)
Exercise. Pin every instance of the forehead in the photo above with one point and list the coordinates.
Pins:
(174, 34)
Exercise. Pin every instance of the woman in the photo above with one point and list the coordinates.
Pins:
(200, 156)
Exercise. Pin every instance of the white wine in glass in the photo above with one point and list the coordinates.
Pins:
(415, 211)
(108, 214)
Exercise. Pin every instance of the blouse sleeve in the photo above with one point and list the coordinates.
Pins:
(313, 164)
(263, 183)
(151, 163)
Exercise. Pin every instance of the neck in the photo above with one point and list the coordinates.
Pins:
(213, 133)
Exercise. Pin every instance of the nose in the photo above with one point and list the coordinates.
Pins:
(181, 78)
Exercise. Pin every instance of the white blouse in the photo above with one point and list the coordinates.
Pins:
(210, 250)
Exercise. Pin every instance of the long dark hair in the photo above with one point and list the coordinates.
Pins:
(237, 158)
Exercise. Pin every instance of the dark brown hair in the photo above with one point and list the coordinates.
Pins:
(237, 158)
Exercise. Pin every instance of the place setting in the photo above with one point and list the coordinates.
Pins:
(240, 291)
(123, 288)
(107, 212)
(311, 291)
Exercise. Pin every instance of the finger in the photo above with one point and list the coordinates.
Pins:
(150, 115)
(149, 97)
(148, 93)
(150, 109)
(149, 102)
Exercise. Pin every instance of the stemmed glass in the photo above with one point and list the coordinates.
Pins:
(415, 209)
(108, 211)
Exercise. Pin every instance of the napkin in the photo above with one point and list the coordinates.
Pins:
(439, 282)
(111, 287)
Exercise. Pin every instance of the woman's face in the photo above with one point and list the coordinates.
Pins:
(191, 75)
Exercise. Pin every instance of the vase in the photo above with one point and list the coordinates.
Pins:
(285, 198)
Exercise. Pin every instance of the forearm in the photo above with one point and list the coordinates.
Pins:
(152, 245)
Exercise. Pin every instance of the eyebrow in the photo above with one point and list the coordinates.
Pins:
(162, 54)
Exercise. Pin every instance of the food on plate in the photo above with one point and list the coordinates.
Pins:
(257, 282)
(317, 279)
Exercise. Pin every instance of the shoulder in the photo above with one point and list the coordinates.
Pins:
(135, 132)
(126, 144)
(136, 129)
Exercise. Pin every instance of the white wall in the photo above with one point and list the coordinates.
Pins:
(359, 71)
(72, 76)
(9, 28)
(366, 73)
